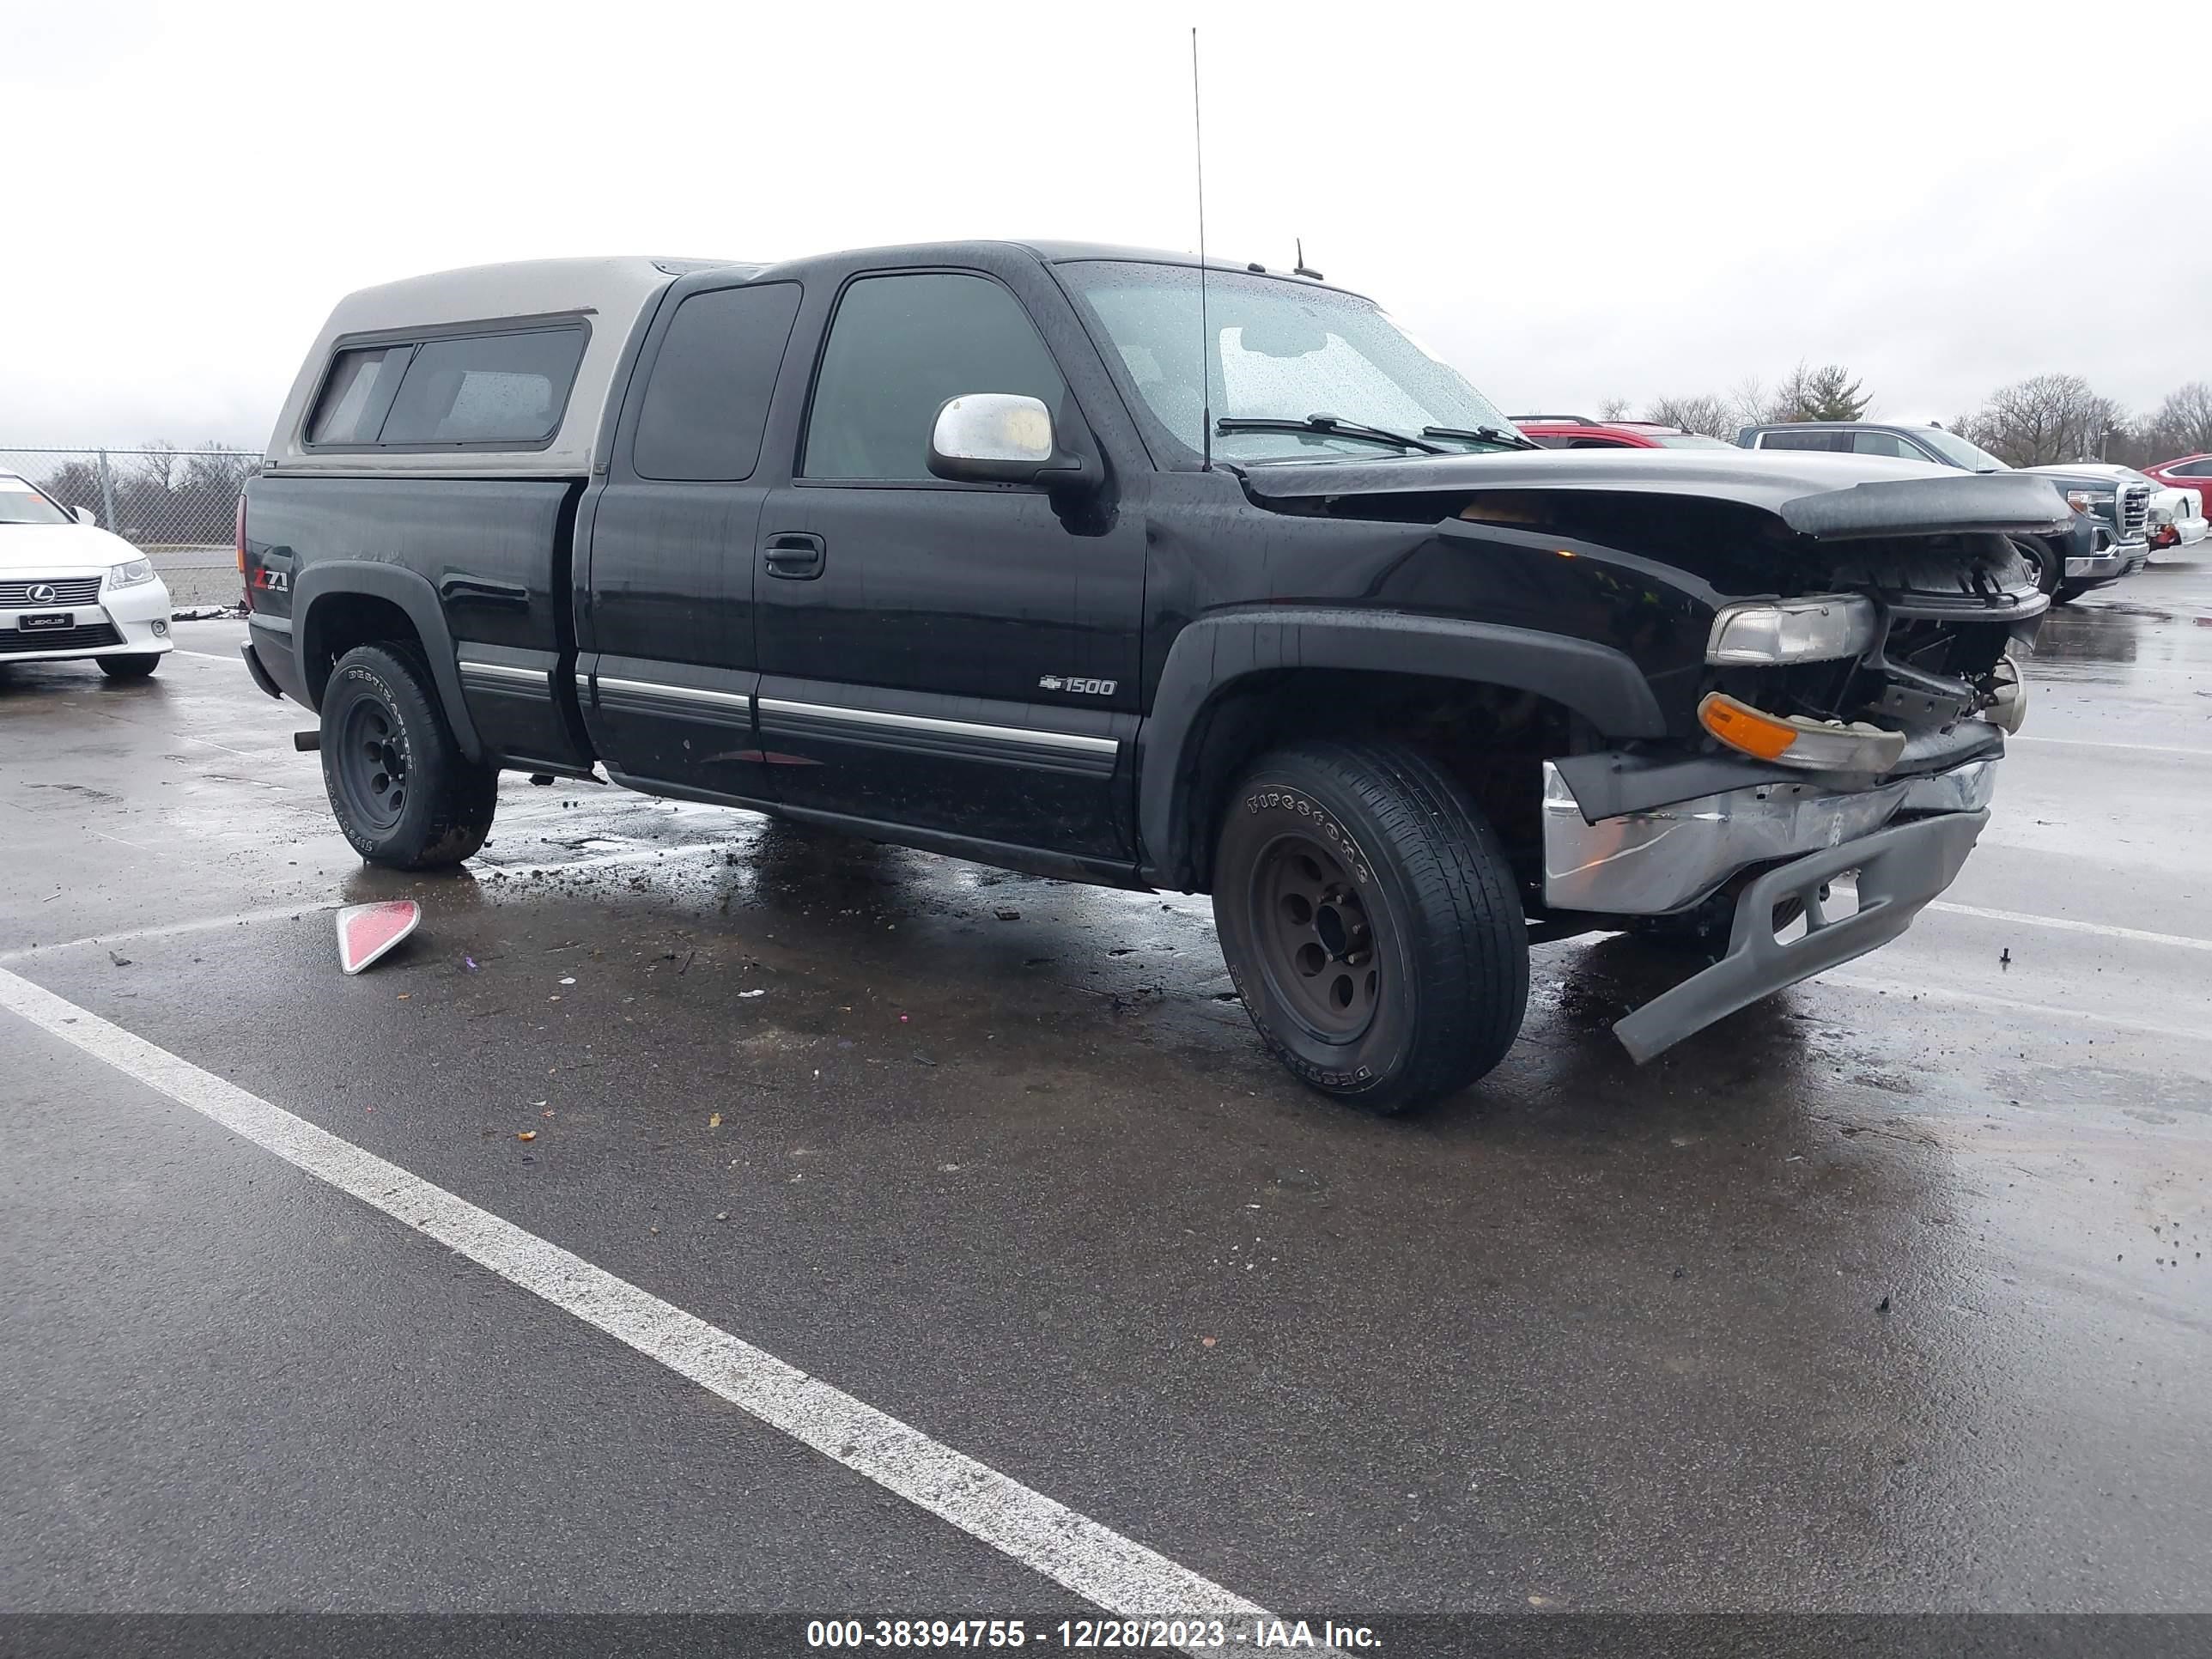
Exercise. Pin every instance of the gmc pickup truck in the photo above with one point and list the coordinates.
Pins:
(960, 547)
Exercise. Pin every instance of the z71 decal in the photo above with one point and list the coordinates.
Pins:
(1084, 687)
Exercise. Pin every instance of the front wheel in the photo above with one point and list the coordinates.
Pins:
(2049, 564)
(400, 786)
(1371, 923)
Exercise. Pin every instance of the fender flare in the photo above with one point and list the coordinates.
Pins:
(1211, 655)
(412, 594)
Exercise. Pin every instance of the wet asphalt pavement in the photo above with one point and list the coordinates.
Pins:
(1888, 1293)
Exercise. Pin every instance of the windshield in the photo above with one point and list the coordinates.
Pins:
(1957, 450)
(1277, 350)
(21, 504)
(1689, 440)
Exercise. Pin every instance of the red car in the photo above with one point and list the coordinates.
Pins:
(2189, 472)
(1580, 432)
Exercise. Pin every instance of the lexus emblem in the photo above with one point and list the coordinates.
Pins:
(42, 593)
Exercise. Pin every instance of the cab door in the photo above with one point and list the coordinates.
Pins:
(957, 658)
(668, 662)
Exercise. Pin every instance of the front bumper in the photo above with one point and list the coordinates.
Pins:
(1905, 839)
(121, 622)
(2119, 559)
(1900, 870)
(1667, 858)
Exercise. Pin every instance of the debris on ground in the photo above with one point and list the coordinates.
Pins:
(366, 933)
(761, 992)
(2004, 957)
(526, 1134)
(119, 960)
(713, 1120)
(1005, 915)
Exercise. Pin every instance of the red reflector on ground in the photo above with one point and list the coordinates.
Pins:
(366, 932)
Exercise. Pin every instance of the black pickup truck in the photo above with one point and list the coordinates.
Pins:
(959, 546)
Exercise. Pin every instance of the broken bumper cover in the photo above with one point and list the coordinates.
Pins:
(1901, 869)
(1655, 862)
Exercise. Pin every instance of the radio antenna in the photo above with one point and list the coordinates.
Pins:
(1204, 331)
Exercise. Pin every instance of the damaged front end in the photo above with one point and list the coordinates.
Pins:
(1854, 733)
(1833, 644)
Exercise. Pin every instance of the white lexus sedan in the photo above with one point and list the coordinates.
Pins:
(69, 589)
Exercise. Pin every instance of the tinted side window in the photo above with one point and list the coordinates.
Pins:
(486, 388)
(356, 395)
(1883, 443)
(900, 348)
(2194, 470)
(1828, 440)
(708, 400)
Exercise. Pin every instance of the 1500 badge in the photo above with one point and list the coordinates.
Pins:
(1085, 687)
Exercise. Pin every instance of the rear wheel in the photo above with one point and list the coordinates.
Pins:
(1371, 923)
(400, 786)
(134, 667)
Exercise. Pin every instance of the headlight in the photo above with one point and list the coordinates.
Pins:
(131, 574)
(1816, 745)
(2082, 500)
(1794, 630)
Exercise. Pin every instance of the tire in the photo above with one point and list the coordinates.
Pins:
(1361, 868)
(399, 786)
(2050, 563)
(2066, 593)
(135, 666)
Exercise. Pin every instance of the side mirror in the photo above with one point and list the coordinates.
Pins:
(84, 515)
(998, 437)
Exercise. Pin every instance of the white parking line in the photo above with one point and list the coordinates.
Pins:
(2068, 925)
(2012, 1005)
(2099, 743)
(1092, 1560)
(208, 656)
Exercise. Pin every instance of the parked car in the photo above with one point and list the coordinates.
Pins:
(69, 589)
(2107, 539)
(2177, 516)
(2184, 472)
(986, 549)
(1580, 432)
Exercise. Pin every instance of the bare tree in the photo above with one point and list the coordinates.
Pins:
(1752, 406)
(157, 466)
(1714, 416)
(2182, 425)
(2044, 419)
(1612, 409)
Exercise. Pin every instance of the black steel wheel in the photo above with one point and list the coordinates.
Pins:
(371, 763)
(1371, 922)
(400, 786)
(1316, 940)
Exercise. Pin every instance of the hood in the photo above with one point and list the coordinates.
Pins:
(1820, 496)
(59, 549)
(2084, 474)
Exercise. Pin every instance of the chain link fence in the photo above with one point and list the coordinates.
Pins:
(158, 496)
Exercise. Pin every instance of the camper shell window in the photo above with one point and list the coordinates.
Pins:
(483, 387)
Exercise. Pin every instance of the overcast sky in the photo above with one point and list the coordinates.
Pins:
(1568, 202)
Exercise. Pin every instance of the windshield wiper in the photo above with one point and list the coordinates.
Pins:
(1482, 435)
(1327, 426)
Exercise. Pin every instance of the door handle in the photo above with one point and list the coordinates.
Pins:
(795, 555)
